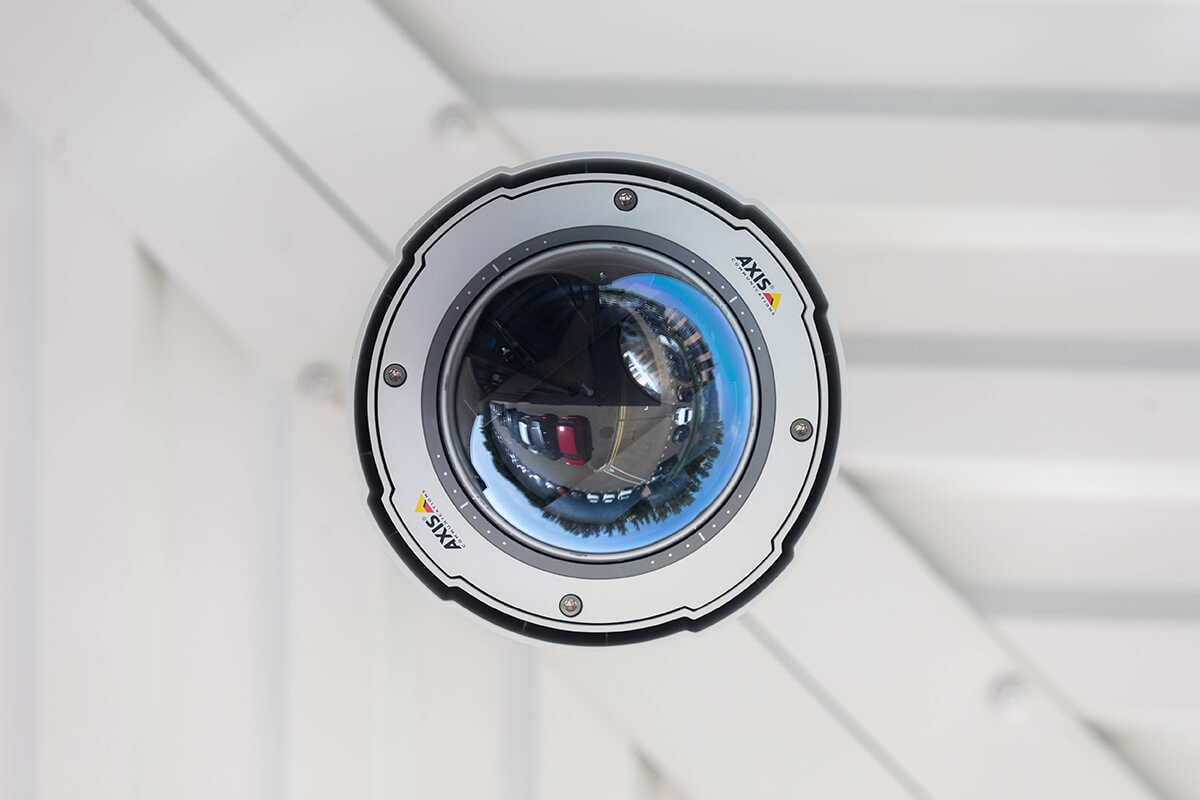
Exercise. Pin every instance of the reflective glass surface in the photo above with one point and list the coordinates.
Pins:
(599, 399)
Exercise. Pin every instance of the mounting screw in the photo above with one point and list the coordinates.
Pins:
(570, 605)
(1011, 698)
(454, 123)
(625, 199)
(394, 375)
(321, 382)
(802, 430)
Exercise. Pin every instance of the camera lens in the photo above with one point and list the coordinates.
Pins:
(600, 400)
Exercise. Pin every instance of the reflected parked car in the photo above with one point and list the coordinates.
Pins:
(680, 434)
(665, 469)
(542, 435)
(683, 415)
(574, 439)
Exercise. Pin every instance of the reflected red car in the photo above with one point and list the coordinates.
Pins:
(574, 440)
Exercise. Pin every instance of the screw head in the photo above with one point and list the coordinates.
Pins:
(570, 605)
(802, 430)
(394, 375)
(320, 382)
(454, 123)
(1011, 698)
(625, 199)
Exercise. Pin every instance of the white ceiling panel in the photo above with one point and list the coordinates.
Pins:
(896, 160)
(1103, 550)
(1003, 199)
(1042, 305)
(1138, 673)
(1131, 46)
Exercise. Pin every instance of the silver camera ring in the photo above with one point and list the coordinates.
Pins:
(617, 585)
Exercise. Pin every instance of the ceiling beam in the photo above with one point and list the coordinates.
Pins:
(1084, 46)
(896, 159)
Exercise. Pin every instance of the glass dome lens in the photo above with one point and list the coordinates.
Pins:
(599, 400)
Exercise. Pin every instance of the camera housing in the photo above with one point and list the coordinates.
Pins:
(597, 400)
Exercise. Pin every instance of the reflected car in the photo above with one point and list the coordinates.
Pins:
(681, 434)
(574, 440)
(683, 415)
(665, 469)
(592, 497)
(683, 393)
(542, 436)
(625, 493)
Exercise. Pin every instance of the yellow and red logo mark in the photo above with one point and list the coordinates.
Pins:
(446, 537)
(755, 274)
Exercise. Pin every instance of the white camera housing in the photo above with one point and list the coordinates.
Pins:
(657, 308)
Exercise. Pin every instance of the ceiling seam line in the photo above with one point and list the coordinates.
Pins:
(273, 140)
(808, 100)
(836, 710)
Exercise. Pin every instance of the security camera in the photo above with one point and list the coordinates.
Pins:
(597, 399)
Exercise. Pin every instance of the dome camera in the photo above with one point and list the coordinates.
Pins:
(597, 399)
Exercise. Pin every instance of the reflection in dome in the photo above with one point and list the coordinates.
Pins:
(589, 409)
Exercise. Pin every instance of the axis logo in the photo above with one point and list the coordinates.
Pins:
(433, 520)
(754, 273)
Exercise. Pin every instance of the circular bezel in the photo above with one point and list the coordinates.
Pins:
(433, 521)
(586, 565)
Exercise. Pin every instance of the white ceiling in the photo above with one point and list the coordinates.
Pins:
(1002, 197)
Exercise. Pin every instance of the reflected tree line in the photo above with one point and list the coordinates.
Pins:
(668, 498)
(670, 494)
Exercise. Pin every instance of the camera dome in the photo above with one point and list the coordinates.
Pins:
(597, 399)
(600, 399)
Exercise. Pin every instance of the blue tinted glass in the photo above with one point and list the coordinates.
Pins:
(601, 401)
